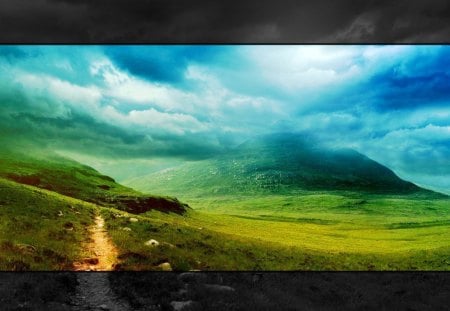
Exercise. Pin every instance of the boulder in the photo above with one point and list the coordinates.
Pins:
(152, 243)
(165, 266)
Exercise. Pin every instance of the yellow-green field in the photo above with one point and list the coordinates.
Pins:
(250, 234)
(332, 223)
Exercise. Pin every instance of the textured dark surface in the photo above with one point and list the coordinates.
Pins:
(233, 21)
(42, 21)
(228, 290)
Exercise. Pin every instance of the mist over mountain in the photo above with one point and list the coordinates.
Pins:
(276, 163)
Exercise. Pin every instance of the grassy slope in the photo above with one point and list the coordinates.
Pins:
(35, 190)
(315, 231)
(32, 234)
(67, 177)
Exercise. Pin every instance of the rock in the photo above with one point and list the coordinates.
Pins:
(192, 277)
(165, 266)
(103, 307)
(126, 229)
(218, 289)
(182, 305)
(152, 243)
(132, 219)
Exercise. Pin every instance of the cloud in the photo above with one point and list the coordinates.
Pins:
(388, 102)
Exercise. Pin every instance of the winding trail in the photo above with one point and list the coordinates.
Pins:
(94, 290)
(102, 252)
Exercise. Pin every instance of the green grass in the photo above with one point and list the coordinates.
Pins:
(47, 170)
(210, 240)
(308, 230)
(331, 223)
(32, 234)
(52, 172)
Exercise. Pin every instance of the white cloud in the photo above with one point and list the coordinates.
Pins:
(296, 68)
(41, 86)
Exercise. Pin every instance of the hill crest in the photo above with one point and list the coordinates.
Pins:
(277, 163)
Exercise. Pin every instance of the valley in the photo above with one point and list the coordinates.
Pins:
(57, 214)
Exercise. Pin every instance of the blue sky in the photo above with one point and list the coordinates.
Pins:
(147, 104)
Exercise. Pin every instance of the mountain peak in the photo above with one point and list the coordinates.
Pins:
(279, 163)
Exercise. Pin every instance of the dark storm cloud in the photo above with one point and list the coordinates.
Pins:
(162, 63)
(224, 21)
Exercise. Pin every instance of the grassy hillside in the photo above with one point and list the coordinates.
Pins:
(49, 171)
(47, 204)
(276, 164)
(40, 229)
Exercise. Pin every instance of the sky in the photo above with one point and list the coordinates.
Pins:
(139, 108)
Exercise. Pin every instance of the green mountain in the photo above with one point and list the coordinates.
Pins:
(49, 171)
(277, 163)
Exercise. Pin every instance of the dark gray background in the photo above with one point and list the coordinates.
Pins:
(242, 21)
(231, 21)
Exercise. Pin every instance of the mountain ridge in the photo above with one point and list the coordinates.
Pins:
(277, 163)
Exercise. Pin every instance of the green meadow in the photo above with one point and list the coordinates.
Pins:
(48, 203)
(310, 232)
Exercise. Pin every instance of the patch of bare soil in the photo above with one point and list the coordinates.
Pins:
(102, 252)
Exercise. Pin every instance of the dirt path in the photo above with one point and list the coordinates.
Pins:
(94, 290)
(102, 252)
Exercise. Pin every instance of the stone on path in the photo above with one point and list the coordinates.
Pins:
(165, 266)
